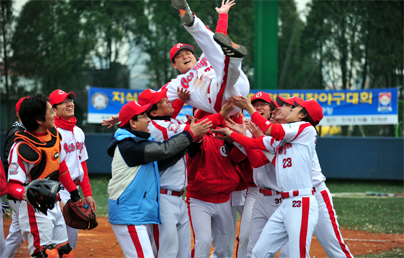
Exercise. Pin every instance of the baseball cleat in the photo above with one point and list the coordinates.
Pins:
(230, 48)
(182, 8)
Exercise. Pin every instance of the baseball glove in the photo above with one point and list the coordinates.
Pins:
(79, 215)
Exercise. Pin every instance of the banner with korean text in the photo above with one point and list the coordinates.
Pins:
(350, 107)
(344, 107)
(105, 102)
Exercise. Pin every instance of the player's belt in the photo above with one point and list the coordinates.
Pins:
(76, 181)
(304, 192)
(269, 192)
(320, 187)
(170, 192)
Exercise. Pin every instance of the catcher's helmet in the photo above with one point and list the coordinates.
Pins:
(42, 194)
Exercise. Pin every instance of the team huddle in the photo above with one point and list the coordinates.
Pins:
(266, 169)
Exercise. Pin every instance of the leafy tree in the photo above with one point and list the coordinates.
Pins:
(50, 44)
(6, 19)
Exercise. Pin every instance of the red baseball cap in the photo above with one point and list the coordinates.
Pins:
(313, 108)
(131, 109)
(273, 104)
(151, 96)
(261, 96)
(18, 105)
(280, 101)
(58, 96)
(177, 47)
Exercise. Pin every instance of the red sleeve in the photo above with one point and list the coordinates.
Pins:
(277, 132)
(65, 177)
(85, 184)
(16, 189)
(222, 23)
(257, 143)
(256, 157)
(3, 181)
(260, 121)
(215, 118)
(177, 106)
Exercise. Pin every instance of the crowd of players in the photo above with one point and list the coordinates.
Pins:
(266, 169)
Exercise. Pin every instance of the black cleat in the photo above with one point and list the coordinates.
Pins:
(230, 48)
(182, 8)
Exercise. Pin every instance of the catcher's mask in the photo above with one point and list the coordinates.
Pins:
(42, 194)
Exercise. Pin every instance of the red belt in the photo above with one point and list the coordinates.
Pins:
(297, 193)
(76, 181)
(169, 192)
(269, 192)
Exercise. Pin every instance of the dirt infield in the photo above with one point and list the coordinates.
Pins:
(101, 242)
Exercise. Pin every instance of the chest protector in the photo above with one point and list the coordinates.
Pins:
(42, 151)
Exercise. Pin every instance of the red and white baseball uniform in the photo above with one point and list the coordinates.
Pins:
(297, 216)
(73, 144)
(327, 230)
(3, 191)
(38, 228)
(212, 177)
(214, 78)
(173, 236)
(267, 197)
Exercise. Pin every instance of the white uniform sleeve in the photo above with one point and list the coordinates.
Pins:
(18, 169)
(297, 131)
(62, 154)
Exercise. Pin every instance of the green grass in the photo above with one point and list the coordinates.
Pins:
(396, 253)
(99, 185)
(358, 186)
(378, 214)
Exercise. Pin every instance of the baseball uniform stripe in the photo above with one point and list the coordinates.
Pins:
(162, 129)
(135, 239)
(304, 225)
(218, 103)
(156, 235)
(331, 212)
(34, 228)
(301, 128)
(192, 227)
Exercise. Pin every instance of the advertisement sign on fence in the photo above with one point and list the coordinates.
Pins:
(343, 107)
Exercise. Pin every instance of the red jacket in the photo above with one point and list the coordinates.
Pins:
(244, 169)
(3, 181)
(212, 175)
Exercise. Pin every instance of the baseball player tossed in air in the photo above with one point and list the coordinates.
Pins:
(76, 152)
(294, 143)
(134, 199)
(37, 154)
(14, 239)
(217, 75)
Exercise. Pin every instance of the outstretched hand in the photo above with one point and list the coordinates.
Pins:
(227, 108)
(238, 128)
(222, 133)
(243, 103)
(183, 94)
(225, 6)
(254, 130)
(110, 122)
(200, 128)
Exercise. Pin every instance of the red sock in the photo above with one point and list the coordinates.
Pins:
(222, 23)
